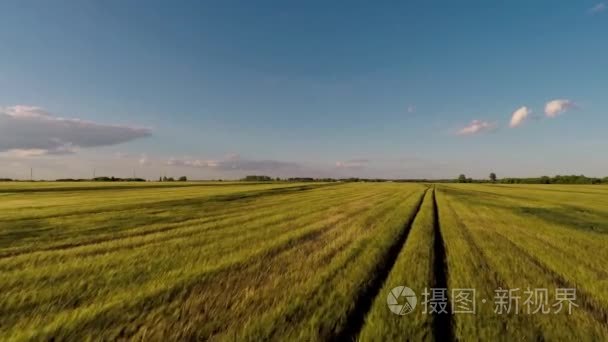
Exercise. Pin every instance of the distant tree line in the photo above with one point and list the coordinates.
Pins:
(559, 179)
(568, 179)
(171, 179)
(262, 178)
(115, 179)
(257, 178)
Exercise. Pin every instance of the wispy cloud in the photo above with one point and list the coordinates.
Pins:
(143, 160)
(519, 116)
(476, 127)
(233, 163)
(31, 131)
(555, 107)
(352, 163)
(411, 109)
(600, 7)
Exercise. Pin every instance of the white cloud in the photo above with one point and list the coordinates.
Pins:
(519, 116)
(555, 107)
(475, 127)
(600, 7)
(31, 131)
(234, 163)
(143, 160)
(352, 164)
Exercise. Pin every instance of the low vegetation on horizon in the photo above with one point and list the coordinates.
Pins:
(558, 179)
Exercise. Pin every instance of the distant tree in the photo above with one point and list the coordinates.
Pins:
(301, 179)
(462, 178)
(256, 178)
(183, 179)
(160, 179)
(493, 177)
(545, 180)
(103, 179)
(170, 179)
(469, 180)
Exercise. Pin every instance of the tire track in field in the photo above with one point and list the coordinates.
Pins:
(589, 304)
(363, 302)
(113, 309)
(443, 325)
(481, 261)
(327, 277)
(327, 257)
(345, 217)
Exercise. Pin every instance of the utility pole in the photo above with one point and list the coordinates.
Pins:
(93, 173)
(31, 174)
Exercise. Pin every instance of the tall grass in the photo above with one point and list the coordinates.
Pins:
(523, 250)
(81, 272)
(283, 261)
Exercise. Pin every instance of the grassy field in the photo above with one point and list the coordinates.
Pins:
(288, 261)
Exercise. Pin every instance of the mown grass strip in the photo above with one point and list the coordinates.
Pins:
(414, 269)
(205, 216)
(325, 302)
(187, 265)
(519, 271)
(470, 269)
(365, 298)
(77, 268)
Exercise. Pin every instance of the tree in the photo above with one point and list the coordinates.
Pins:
(183, 179)
(462, 179)
(493, 177)
(257, 178)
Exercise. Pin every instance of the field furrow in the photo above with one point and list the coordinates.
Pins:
(310, 262)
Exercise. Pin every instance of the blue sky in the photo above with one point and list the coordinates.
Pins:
(219, 89)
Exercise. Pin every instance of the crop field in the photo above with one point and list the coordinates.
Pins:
(297, 261)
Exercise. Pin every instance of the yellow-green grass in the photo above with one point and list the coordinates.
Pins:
(525, 237)
(414, 269)
(288, 261)
(203, 262)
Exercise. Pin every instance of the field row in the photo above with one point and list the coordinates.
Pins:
(208, 266)
(297, 261)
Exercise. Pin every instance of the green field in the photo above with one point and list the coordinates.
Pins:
(289, 261)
